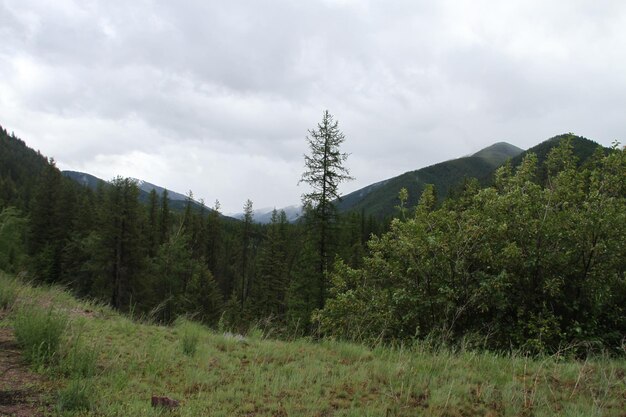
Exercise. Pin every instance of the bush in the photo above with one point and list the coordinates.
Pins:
(39, 332)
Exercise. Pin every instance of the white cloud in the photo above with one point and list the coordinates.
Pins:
(217, 97)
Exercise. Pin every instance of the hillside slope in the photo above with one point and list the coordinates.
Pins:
(583, 148)
(380, 199)
(20, 167)
(221, 374)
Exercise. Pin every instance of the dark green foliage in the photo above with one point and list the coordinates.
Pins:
(324, 171)
(246, 246)
(272, 280)
(20, 168)
(582, 149)
(519, 264)
(534, 260)
(122, 241)
(203, 299)
(48, 225)
(152, 228)
(13, 234)
(381, 199)
(165, 219)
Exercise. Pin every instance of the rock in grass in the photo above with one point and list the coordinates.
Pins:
(164, 402)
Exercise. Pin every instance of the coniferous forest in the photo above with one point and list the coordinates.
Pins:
(532, 257)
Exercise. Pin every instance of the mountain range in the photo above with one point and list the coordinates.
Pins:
(177, 201)
(381, 198)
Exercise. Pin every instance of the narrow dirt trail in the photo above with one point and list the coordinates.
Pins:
(22, 392)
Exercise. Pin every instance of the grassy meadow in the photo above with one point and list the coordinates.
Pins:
(100, 363)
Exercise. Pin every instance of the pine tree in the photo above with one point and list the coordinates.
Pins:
(271, 283)
(325, 170)
(213, 238)
(245, 250)
(153, 218)
(47, 231)
(122, 238)
(165, 218)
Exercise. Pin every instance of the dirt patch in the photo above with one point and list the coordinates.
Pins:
(22, 392)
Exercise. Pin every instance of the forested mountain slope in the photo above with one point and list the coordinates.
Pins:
(177, 201)
(20, 166)
(380, 199)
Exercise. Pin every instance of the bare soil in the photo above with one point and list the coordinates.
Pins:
(23, 393)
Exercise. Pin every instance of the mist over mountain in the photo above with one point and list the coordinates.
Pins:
(264, 215)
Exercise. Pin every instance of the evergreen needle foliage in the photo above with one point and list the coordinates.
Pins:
(324, 171)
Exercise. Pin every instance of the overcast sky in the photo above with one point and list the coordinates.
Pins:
(217, 96)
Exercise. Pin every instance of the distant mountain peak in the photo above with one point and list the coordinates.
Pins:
(264, 215)
(177, 201)
(381, 198)
(498, 153)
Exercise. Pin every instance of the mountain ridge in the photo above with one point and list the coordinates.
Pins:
(380, 198)
(177, 200)
(491, 156)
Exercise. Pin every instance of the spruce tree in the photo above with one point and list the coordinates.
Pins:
(164, 219)
(213, 238)
(153, 218)
(325, 170)
(122, 239)
(47, 231)
(245, 250)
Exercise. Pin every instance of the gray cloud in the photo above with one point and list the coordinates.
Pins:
(218, 96)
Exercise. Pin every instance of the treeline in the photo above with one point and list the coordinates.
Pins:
(158, 262)
(536, 261)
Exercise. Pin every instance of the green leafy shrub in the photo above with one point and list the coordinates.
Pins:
(525, 264)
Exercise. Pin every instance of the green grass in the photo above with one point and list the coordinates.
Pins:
(79, 359)
(77, 396)
(228, 375)
(38, 332)
(8, 291)
(190, 336)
